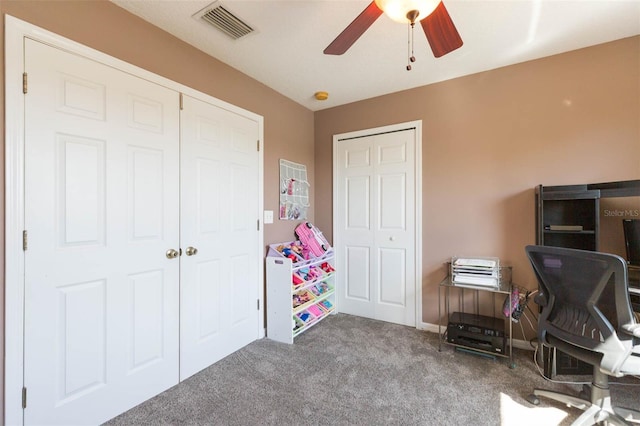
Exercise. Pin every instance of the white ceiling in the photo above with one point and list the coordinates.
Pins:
(285, 50)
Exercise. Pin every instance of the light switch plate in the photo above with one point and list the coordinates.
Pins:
(268, 216)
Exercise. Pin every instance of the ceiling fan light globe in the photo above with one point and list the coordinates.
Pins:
(397, 9)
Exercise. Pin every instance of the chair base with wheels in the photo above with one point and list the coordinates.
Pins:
(595, 400)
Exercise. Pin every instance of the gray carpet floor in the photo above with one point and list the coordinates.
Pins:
(355, 371)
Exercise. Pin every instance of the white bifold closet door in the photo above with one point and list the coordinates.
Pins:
(219, 198)
(375, 224)
(101, 210)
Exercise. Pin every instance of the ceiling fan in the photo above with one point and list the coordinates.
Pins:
(441, 33)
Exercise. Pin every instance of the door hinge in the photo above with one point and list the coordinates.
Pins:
(24, 240)
(258, 224)
(258, 145)
(24, 83)
(181, 104)
(24, 397)
(258, 303)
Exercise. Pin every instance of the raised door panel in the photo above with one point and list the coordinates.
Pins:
(145, 194)
(209, 298)
(146, 322)
(392, 203)
(81, 340)
(242, 291)
(357, 263)
(357, 203)
(80, 191)
(392, 266)
(208, 186)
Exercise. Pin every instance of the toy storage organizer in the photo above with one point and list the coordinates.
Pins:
(300, 292)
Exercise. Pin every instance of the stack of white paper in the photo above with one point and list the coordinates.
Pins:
(475, 271)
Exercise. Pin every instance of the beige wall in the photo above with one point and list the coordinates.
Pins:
(490, 138)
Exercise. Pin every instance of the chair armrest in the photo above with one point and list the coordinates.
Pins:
(633, 329)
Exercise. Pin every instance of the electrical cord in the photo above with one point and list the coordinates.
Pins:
(521, 327)
(532, 313)
(524, 314)
(535, 361)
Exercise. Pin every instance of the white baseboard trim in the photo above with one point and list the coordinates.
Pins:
(433, 328)
(426, 326)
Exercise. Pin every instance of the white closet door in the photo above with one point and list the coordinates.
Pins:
(219, 201)
(375, 226)
(101, 210)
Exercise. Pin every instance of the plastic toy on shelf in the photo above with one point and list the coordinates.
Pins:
(326, 306)
(306, 317)
(302, 298)
(312, 239)
(315, 310)
(327, 267)
(320, 288)
(297, 280)
(291, 251)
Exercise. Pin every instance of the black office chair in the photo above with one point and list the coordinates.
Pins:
(586, 313)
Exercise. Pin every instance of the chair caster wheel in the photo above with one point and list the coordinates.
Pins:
(533, 399)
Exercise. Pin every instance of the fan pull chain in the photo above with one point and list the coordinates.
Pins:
(412, 58)
(408, 47)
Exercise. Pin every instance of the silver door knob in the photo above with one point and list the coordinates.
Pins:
(191, 251)
(172, 254)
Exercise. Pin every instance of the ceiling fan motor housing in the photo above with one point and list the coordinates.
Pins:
(412, 15)
(399, 10)
(438, 27)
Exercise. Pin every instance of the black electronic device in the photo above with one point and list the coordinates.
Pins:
(477, 332)
(631, 229)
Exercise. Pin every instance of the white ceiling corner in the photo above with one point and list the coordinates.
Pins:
(285, 50)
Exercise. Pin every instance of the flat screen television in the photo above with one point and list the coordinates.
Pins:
(631, 229)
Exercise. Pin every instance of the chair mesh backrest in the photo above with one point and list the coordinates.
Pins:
(586, 293)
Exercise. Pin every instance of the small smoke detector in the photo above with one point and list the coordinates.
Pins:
(221, 18)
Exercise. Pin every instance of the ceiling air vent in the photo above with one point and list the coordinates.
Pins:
(216, 15)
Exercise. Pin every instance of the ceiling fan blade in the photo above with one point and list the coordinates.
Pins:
(442, 35)
(353, 32)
